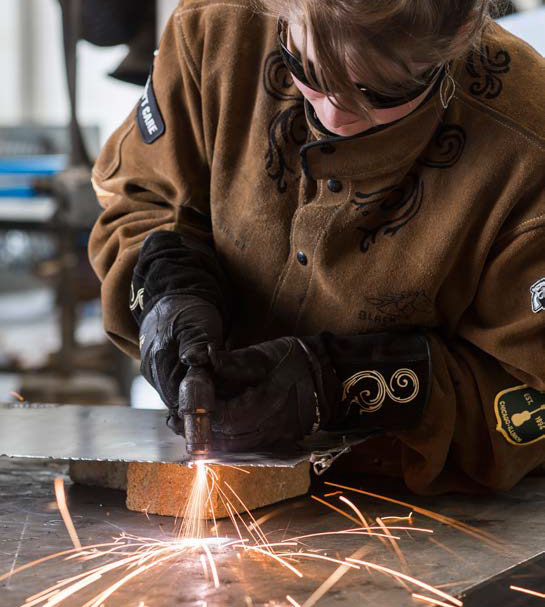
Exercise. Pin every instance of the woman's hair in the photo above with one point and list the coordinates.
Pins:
(376, 41)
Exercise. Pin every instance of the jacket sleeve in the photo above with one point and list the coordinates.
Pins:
(153, 174)
(484, 426)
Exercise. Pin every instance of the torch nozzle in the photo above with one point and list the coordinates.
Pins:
(196, 402)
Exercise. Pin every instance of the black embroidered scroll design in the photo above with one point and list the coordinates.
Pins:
(448, 145)
(288, 126)
(403, 201)
(488, 83)
(277, 80)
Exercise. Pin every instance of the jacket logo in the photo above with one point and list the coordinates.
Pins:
(137, 299)
(402, 305)
(360, 389)
(520, 415)
(538, 296)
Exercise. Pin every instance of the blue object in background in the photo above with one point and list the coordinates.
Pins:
(18, 173)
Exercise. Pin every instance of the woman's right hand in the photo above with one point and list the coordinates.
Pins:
(174, 336)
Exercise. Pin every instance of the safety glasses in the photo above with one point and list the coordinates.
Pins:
(295, 65)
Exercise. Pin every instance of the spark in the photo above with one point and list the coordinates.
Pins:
(362, 531)
(192, 522)
(348, 516)
(402, 559)
(528, 591)
(430, 601)
(398, 519)
(326, 586)
(276, 558)
(49, 558)
(358, 512)
(212, 565)
(483, 536)
(61, 502)
(134, 555)
(318, 556)
(276, 512)
(408, 578)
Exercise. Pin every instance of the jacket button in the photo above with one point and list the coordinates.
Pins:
(302, 258)
(334, 185)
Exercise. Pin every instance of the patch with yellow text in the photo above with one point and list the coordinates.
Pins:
(520, 413)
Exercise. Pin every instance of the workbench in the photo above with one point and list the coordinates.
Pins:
(31, 527)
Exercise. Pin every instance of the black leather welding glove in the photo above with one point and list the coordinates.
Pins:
(180, 299)
(276, 391)
(287, 388)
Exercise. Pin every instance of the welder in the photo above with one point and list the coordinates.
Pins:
(330, 216)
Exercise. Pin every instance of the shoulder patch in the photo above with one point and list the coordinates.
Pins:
(520, 413)
(148, 116)
(538, 296)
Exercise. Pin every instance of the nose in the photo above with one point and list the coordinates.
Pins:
(334, 116)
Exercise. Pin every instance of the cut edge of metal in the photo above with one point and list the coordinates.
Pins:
(500, 575)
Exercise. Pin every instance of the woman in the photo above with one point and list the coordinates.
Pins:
(343, 207)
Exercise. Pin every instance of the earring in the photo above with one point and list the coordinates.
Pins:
(447, 88)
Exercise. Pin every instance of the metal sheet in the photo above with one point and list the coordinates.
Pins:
(30, 529)
(496, 590)
(106, 433)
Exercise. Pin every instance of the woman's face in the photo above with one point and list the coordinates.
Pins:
(334, 119)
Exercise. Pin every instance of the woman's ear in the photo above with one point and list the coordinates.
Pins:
(465, 30)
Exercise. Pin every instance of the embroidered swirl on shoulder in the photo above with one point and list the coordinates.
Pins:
(447, 147)
(364, 399)
(486, 69)
(277, 80)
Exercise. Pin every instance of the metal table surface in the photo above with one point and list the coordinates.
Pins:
(30, 528)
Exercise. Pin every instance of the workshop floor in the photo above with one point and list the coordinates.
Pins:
(31, 528)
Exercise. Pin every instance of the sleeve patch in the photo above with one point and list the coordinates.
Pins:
(148, 116)
(538, 296)
(520, 413)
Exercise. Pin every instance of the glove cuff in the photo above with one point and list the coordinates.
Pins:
(386, 379)
(172, 263)
(327, 386)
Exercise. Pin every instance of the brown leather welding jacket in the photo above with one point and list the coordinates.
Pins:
(437, 222)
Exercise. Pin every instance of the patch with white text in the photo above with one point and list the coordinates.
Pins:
(538, 296)
(148, 116)
(520, 413)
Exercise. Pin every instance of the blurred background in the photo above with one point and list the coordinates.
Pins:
(62, 60)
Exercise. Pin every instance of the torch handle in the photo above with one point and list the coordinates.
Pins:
(196, 402)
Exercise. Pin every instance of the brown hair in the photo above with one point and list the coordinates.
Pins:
(377, 40)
